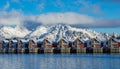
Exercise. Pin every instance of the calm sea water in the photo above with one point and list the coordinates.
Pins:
(59, 61)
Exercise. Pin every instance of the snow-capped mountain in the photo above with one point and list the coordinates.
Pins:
(67, 32)
(11, 32)
(53, 33)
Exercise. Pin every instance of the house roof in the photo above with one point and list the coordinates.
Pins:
(6, 41)
(48, 40)
(63, 39)
(80, 39)
(117, 40)
(96, 40)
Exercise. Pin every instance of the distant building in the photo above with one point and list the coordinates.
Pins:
(23, 43)
(62, 43)
(1, 43)
(5, 44)
(78, 43)
(95, 43)
(12, 43)
(47, 44)
(113, 43)
(32, 44)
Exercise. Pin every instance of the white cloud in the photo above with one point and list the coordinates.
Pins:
(12, 17)
(17, 17)
(41, 6)
(88, 6)
(68, 17)
(7, 5)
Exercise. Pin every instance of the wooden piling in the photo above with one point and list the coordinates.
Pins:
(119, 49)
(81, 50)
(19, 50)
(31, 50)
(49, 50)
(65, 50)
(35, 50)
(98, 50)
(114, 50)
(22, 50)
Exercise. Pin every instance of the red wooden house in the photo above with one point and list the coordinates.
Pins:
(95, 43)
(32, 44)
(62, 43)
(47, 44)
(113, 43)
(78, 43)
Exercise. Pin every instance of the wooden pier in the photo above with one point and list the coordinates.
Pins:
(69, 50)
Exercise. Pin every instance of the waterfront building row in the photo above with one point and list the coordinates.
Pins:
(77, 46)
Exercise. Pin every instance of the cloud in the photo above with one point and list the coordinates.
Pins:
(41, 6)
(68, 18)
(88, 6)
(12, 17)
(59, 3)
(6, 6)
(15, 1)
(71, 18)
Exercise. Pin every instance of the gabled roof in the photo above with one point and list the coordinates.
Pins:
(63, 39)
(47, 40)
(116, 40)
(80, 39)
(24, 41)
(96, 40)
(6, 41)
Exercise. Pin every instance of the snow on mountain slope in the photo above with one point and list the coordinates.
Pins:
(67, 32)
(53, 33)
(40, 31)
(10, 32)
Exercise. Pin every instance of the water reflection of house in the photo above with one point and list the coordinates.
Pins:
(95, 43)
(63, 44)
(78, 43)
(113, 43)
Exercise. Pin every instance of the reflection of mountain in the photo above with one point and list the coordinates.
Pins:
(53, 32)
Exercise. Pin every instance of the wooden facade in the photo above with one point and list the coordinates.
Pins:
(47, 44)
(32, 44)
(63, 44)
(23, 43)
(95, 43)
(60, 46)
(78, 43)
(112, 43)
(19, 43)
(1, 43)
(12, 43)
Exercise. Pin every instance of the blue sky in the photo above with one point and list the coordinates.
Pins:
(100, 15)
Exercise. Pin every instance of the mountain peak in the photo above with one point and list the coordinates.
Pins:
(61, 26)
(53, 32)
